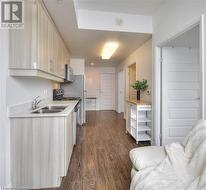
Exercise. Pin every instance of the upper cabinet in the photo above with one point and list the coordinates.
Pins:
(38, 49)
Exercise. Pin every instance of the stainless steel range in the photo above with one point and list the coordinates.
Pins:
(73, 91)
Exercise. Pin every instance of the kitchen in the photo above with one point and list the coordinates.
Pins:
(42, 137)
(52, 90)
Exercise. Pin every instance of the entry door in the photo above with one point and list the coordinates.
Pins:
(107, 91)
(181, 92)
(121, 91)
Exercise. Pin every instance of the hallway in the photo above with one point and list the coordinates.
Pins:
(100, 159)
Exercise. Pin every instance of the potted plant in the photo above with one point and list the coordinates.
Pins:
(140, 86)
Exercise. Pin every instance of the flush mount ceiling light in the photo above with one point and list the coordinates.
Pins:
(109, 49)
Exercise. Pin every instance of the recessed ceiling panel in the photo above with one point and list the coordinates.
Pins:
(140, 7)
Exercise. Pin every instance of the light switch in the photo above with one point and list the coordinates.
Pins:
(148, 92)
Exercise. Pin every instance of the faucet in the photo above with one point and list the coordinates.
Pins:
(35, 103)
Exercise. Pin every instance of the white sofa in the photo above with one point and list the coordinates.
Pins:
(177, 166)
(144, 157)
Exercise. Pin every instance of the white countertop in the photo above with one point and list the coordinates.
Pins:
(28, 113)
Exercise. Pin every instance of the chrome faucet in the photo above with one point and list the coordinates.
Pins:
(35, 103)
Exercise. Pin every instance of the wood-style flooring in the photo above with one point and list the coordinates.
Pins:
(100, 160)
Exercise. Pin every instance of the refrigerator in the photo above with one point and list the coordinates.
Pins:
(76, 89)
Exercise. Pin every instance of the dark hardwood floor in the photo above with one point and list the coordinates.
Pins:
(100, 160)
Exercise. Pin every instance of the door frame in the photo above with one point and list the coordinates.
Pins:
(123, 91)
(157, 110)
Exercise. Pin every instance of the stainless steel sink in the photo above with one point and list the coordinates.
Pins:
(57, 107)
(50, 109)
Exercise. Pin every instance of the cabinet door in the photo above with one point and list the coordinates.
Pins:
(55, 51)
(37, 150)
(68, 140)
(42, 39)
(61, 66)
(22, 43)
(62, 63)
(52, 49)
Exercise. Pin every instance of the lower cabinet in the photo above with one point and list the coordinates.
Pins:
(41, 150)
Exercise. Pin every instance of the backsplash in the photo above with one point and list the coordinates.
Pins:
(25, 106)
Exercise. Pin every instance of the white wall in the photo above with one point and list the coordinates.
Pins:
(93, 81)
(14, 91)
(4, 130)
(143, 59)
(169, 19)
(78, 66)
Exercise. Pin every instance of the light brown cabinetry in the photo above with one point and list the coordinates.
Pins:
(41, 149)
(38, 49)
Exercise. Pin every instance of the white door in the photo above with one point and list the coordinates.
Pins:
(181, 92)
(107, 91)
(121, 91)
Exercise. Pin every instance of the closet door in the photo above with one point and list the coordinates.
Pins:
(181, 92)
(107, 91)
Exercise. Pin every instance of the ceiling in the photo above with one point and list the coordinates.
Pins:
(88, 43)
(140, 7)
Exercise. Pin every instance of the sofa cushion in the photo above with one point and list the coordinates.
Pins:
(144, 157)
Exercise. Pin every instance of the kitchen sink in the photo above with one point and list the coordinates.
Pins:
(50, 109)
(57, 107)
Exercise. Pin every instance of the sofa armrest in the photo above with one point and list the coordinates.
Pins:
(144, 157)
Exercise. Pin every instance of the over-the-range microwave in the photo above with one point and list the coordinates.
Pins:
(68, 73)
